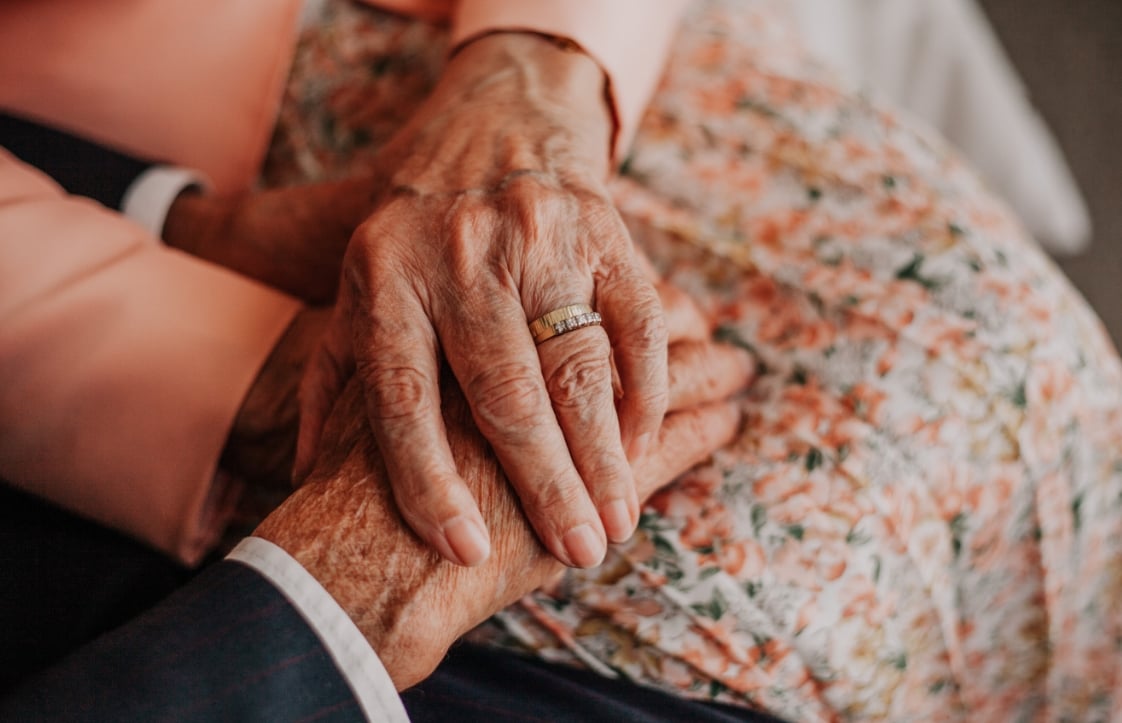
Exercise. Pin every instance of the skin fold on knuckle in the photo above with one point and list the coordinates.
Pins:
(555, 504)
(538, 207)
(581, 379)
(507, 399)
(396, 393)
(469, 227)
(607, 478)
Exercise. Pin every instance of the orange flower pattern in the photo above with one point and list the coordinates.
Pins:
(922, 519)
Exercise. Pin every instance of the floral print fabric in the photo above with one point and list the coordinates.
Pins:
(922, 518)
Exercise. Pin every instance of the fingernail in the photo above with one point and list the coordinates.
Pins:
(584, 546)
(617, 520)
(639, 446)
(468, 540)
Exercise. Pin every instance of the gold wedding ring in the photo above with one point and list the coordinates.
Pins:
(562, 321)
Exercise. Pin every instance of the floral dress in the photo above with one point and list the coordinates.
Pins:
(922, 518)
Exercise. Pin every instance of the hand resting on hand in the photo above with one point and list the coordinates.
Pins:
(344, 527)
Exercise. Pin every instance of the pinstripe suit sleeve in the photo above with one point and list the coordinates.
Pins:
(228, 646)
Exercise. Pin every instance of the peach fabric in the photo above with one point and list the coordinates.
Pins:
(198, 83)
(190, 83)
(628, 38)
(124, 363)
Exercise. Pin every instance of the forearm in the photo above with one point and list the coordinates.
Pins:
(290, 238)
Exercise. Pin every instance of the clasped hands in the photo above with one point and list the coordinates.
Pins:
(344, 526)
(432, 426)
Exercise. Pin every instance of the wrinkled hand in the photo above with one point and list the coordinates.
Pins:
(498, 213)
(262, 441)
(290, 238)
(345, 529)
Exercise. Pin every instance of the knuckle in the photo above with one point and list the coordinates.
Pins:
(579, 379)
(506, 398)
(601, 219)
(607, 477)
(396, 392)
(464, 260)
(555, 500)
(468, 218)
(539, 210)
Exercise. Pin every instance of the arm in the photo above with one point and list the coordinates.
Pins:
(125, 365)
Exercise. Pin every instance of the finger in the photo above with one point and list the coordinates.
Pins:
(686, 439)
(684, 321)
(577, 369)
(636, 326)
(396, 361)
(702, 372)
(328, 370)
(489, 348)
(578, 376)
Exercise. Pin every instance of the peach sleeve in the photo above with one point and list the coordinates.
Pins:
(628, 38)
(123, 365)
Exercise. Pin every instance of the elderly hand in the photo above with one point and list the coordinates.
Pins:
(344, 527)
(262, 440)
(497, 213)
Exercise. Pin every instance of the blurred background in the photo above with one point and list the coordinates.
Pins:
(1030, 91)
(1069, 55)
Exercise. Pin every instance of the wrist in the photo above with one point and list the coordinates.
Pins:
(538, 67)
(380, 575)
(193, 221)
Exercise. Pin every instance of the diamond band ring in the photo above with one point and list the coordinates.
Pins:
(562, 321)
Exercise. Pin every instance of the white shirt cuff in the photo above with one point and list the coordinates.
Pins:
(149, 197)
(353, 656)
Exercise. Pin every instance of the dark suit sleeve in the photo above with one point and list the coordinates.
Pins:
(81, 167)
(228, 646)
